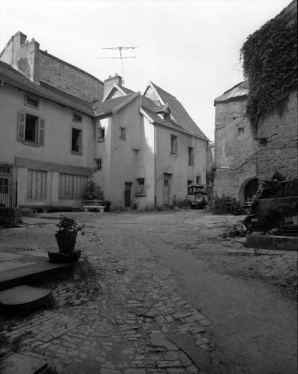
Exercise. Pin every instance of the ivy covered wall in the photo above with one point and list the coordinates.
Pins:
(269, 58)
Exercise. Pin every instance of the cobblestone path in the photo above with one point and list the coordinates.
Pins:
(126, 320)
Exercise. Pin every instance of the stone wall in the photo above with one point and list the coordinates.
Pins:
(240, 157)
(235, 148)
(69, 78)
(281, 134)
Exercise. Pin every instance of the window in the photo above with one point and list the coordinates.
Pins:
(98, 162)
(32, 101)
(263, 141)
(240, 131)
(31, 129)
(140, 187)
(101, 133)
(190, 156)
(71, 186)
(122, 133)
(76, 117)
(3, 186)
(37, 185)
(174, 144)
(198, 179)
(5, 169)
(76, 141)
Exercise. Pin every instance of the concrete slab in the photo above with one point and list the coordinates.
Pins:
(40, 271)
(23, 295)
(19, 364)
(286, 243)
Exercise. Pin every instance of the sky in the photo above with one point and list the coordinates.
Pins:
(190, 48)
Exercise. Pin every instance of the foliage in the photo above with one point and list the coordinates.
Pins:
(227, 205)
(68, 226)
(271, 189)
(93, 191)
(270, 63)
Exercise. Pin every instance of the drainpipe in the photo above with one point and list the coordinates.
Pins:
(155, 165)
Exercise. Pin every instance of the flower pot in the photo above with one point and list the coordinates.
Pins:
(66, 243)
(64, 258)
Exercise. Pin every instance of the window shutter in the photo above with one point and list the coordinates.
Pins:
(21, 126)
(41, 129)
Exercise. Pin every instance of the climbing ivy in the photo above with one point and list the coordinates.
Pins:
(269, 58)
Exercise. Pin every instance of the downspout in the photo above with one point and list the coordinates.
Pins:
(155, 166)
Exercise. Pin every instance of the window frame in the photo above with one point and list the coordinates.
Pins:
(33, 98)
(80, 151)
(79, 118)
(191, 158)
(101, 134)
(140, 187)
(122, 133)
(174, 144)
(240, 131)
(39, 129)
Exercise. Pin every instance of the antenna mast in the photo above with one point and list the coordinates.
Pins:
(120, 49)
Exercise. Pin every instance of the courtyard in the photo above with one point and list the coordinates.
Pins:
(159, 292)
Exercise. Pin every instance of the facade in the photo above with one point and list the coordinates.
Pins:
(243, 160)
(247, 153)
(60, 125)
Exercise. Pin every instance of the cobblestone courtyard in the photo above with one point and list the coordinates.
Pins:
(124, 312)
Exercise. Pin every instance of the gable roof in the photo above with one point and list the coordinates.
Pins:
(179, 113)
(241, 90)
(11, 77)
(107, 107)
(156, 119)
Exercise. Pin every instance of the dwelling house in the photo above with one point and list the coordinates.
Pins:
(252, 139)
(61, 125)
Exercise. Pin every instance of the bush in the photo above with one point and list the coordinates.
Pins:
(227, 205)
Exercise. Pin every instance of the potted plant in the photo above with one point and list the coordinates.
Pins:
(93, 195)
(66, 235)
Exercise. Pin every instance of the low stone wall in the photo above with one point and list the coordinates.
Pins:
(9, 217)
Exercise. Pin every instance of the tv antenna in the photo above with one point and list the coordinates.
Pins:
(121, 57)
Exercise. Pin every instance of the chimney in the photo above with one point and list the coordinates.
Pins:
(23, 56)
(108, 83)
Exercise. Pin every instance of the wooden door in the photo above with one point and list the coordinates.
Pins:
(127, 195)
(166, 189)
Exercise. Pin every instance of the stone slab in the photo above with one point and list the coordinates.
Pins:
(22, 298)
(22, 295)
(31, 273)
(287, 243)
(19, 364)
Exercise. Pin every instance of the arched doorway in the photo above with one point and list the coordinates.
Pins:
(248, 189)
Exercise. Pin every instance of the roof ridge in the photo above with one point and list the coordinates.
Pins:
(159, 88)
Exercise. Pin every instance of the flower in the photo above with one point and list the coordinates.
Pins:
(68, 226)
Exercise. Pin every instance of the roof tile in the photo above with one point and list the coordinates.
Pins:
(12, 77)
(180, 114)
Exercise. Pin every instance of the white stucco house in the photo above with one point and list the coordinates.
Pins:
(60, 125)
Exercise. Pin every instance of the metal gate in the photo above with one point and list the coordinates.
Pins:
(7, 192)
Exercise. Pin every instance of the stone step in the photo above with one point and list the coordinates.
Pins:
(30, 274)
(20, 364)
(23, 298)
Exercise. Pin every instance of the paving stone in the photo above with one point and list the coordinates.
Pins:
(109, 371)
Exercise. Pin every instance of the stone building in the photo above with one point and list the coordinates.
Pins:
(60, 125)
(243, 158)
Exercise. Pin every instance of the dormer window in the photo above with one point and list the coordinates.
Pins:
(167, 116)
(31, 101)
